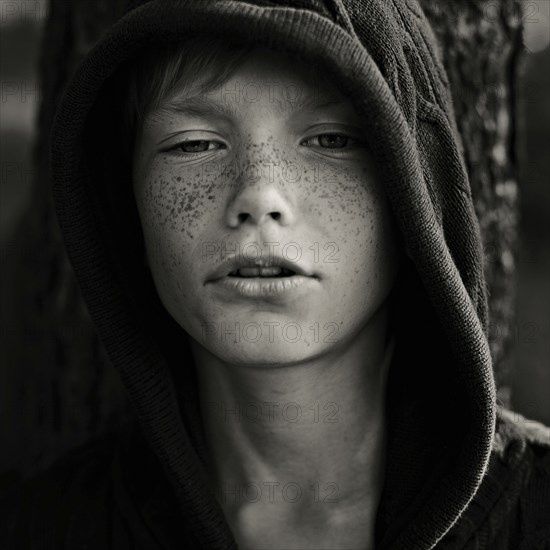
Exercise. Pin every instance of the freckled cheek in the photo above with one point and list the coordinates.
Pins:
(179, 202)
(344, 203)
(169, 224)
(356, 215)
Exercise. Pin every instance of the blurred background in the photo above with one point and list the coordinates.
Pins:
(528, 388)
(20, 32)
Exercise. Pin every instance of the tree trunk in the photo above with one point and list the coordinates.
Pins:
(61, 390)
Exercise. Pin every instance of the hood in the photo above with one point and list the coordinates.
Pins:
(441, 395)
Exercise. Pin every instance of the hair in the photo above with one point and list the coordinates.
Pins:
(199, 64)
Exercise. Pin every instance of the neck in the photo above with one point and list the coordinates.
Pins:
(309, 436)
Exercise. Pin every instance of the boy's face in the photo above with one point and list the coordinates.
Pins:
(260, 180)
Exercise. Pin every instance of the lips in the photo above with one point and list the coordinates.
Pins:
(273, 271)
(273, 266)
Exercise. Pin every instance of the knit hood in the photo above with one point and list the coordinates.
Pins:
(441, 395)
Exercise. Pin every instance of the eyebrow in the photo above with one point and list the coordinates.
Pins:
(199, 107)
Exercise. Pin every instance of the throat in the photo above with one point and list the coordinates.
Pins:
(317, 527)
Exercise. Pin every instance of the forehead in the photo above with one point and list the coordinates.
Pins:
(287, 83)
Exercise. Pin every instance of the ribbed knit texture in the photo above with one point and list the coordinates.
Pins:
(441, 396)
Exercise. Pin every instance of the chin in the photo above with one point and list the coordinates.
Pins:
(265, 338)
(277, 354)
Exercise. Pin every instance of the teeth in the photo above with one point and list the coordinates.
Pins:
(261, 272)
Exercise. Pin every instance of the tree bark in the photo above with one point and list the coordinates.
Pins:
(62, 389)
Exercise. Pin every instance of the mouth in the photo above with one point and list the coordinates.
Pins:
(276, 284)
(262, 272)
(270, 269)
(273, 279)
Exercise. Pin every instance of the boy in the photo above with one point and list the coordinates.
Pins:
(279, 249)
(253, 328)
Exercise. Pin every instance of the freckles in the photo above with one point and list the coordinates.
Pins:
(170, 205)
(360, 204)
(262, 160)
(177, 203)
(346, 202)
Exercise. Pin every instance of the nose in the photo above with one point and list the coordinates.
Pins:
(259, 203)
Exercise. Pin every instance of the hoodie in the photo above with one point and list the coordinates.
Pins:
(460, 473)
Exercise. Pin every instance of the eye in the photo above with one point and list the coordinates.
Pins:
(331, 140)
(194, 146)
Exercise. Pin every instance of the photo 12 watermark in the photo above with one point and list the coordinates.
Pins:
(233, 175)
(293, 492)
(289, 412)
(20, 91)
(270, 251)
(271, 332)
(23, 11)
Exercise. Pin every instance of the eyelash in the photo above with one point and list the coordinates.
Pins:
(178, 146)
(181, 143)
(337, 134)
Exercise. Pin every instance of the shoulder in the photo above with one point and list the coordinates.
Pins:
(523, 443)
(514, 425)
(71, 496)
(522, 449)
